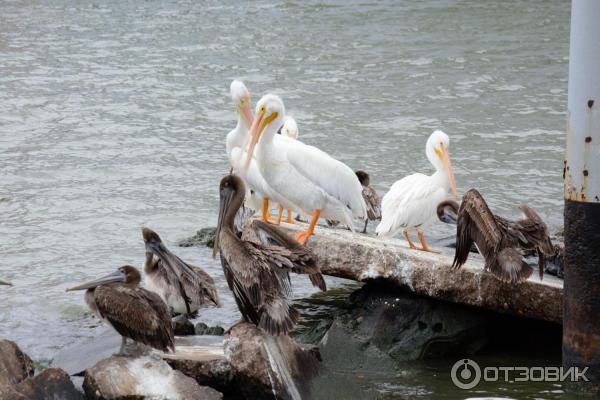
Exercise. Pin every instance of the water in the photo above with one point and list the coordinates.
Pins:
(113, 116)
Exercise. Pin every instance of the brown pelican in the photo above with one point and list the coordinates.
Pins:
(447, 211)
(258, 275)
(371, 199)
(498, 240)
(184, 287)
(5, 283)
(265, 234)
(132, 311)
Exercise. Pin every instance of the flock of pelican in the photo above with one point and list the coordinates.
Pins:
(269, 164)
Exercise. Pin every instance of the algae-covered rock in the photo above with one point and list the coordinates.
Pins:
(387, 326)
(204, 237)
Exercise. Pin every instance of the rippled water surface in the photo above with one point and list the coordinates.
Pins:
(113, 116)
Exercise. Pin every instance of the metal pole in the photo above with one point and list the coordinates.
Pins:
(581, 315)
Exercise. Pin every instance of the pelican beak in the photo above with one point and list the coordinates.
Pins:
(226, 194)
(116, 276)
(5, 283)
(444, 155)
(245, 111)
(256, 130)
(447, 215)
(155, 246)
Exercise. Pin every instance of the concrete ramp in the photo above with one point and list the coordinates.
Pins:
(363, 258)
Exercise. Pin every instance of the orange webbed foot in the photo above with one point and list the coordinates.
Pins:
(302, 237)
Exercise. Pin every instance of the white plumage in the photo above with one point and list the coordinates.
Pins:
(290, 128)
(307, 177)
(411, 202)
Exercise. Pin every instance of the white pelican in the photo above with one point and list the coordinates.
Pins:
(241, 101)
(237, 140)
(290, 130)
(412, 201)
(319, 184)
(236, 143)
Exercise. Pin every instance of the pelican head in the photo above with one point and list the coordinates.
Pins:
(447, 212)
(437, 153)
(149, 235)
(290, 128)
(231, 196)
(125, 274)
(270, 113)
(5, 283)
(363, 178)
(240, 95)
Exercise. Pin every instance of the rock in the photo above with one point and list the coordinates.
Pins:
(266, 366)
(183, 326)
(50, 384)
(387, 327)
(203, 329)
(121, 378)
(15, 366)
(204, 237)
(215, 373)
(202, 358)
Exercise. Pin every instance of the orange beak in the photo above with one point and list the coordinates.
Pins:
(256, 130)
(444, 155)
(246, 113)
(254, 134)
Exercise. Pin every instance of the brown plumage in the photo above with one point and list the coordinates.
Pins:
(184, 287)
(269, 235)
(499, 240)
(257, 274)
(371, 198)
(134, 312)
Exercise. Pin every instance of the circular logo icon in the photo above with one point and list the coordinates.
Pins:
(465, 374)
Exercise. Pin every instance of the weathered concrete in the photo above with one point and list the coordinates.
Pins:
(364, 258)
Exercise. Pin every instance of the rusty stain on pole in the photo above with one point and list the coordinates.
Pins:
(581, 315)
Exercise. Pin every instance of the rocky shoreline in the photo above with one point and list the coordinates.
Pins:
(373, 327)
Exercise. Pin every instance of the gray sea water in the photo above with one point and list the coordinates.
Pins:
(113, 116)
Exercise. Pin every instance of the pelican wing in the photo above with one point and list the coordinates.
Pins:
(476, 223)
(259, 279)
(206, 292)
(408, 203)
(274, 239)
(195, 285)
(136, 313)
(332, 176)
(535, 231)
(241, 293)
(373, 202)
